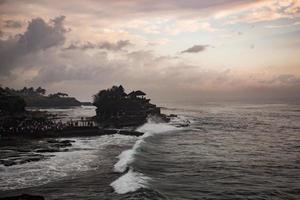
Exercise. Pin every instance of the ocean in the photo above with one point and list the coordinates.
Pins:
(228, 151)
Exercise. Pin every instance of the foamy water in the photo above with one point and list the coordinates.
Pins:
(130, 182)
(229, 151)
(133, 180)
(82, 156)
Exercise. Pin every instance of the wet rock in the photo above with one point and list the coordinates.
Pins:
(34, 158)
(133, 133)
(47, 150)
(68, 141)
(24, 197)
(21, 159)
(65, 150)
(24, 151)
(60, 144)
(182, 125)
(7, 162)
(52, 141)
(8, 153)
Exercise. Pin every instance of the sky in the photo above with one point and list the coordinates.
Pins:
(173, 50)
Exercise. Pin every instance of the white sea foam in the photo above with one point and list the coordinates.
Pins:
(84, 155)
(130, 182)
(127, 156)
(156, 128)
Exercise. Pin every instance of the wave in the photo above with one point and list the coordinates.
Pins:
(82, 156)
(132, 180)
(150, 128)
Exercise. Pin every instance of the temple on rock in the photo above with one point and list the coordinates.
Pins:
(115, 108)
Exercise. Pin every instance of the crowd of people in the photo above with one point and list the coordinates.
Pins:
(15, 126)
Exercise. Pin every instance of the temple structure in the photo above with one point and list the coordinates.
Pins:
(115, 108)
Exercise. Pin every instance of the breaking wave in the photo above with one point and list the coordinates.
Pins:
(82, 156)
(133, 180)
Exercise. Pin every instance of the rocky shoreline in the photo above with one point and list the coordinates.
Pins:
(17, 151)
(20, 149)
(74, 132)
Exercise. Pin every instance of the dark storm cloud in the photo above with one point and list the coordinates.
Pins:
(39, 35)
(103, 45)
(196, 49)
(12, 24)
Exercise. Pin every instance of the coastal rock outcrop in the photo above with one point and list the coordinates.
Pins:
(30, 151)
(115, 108)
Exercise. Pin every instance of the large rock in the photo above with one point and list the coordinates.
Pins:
(21, 159)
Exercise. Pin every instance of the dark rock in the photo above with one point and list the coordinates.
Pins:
(21, 159)
(68, 141)
(116, 109)
(7, 162)
(60, 144)
(8, 153)
(24, 197)
(47, 150)
(23, 150)
(65, 150)
(133, 133)
(52, 141)
(32, 159)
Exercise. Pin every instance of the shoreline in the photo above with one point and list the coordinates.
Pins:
(98, 178)
(73, 132)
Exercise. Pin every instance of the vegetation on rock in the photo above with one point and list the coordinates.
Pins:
(37, 97)
(116, 108)
(10, 103)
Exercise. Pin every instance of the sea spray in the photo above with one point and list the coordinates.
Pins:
(127, 156)
(83, 155)
(132, 180)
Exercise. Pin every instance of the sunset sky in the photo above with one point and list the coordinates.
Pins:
(181, 50)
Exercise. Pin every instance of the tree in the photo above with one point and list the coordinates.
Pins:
(40, 91)
(58, 95)
(108, 101)
(61, 94)
(12, 104)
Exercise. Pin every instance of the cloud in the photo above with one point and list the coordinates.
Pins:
(12, 24)
(195, 49)
(283, 79)
(268, 11)
(82, 73)
(284, 25)
(41, 53)
(38, 36)
(102, 45)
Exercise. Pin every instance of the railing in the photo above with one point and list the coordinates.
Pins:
(80, 123)
(41, 127)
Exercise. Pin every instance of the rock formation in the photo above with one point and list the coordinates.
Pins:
(117, 109)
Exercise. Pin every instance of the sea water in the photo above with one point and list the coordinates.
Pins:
(228, 151)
